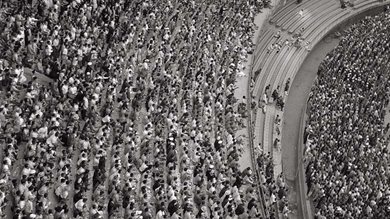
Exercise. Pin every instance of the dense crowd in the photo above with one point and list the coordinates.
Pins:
(347, 144)
(123, 109)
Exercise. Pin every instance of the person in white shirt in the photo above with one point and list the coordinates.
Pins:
(42, 132)
(80, 204)
(53, 139)
(64, 89)
(160, 214)
(300, 13)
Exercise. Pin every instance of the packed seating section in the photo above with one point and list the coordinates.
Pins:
(346, 153)
(123, 109)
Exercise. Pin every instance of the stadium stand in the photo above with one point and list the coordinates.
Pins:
(126, 109)
(275, 68)
(136, 118)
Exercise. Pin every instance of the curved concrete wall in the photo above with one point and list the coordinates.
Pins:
(353, 18)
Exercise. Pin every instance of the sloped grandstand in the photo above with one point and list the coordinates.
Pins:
(129, 109)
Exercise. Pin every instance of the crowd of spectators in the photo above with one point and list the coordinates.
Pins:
(275, 189)
(347, 144)
(123, 109)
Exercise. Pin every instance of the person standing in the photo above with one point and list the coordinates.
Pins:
(300, 13)
(343, 5)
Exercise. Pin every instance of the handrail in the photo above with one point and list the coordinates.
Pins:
(250, 122)
(250, 133)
